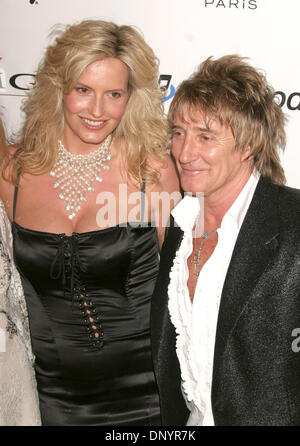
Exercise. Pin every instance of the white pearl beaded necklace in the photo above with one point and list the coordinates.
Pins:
(75, 174)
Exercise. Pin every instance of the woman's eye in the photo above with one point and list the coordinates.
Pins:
(81, 89)
(115, 94)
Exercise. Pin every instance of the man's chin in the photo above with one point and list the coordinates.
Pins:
(192, 188)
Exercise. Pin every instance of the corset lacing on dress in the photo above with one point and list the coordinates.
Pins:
(67, 265)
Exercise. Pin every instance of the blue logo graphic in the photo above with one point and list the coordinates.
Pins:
(172, 92)
(164, 82)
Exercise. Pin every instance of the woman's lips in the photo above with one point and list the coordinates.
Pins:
(93, 124)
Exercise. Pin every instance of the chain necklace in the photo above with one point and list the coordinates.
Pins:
(75, 174)
(197, 254)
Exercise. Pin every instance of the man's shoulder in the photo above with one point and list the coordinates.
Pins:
(274, 210)
(287, 209)
(288, 197)
(291, 194)
(289, 204)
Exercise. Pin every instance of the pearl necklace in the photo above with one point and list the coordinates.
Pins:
(75, 174)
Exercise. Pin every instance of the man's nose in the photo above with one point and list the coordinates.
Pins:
(189, 150)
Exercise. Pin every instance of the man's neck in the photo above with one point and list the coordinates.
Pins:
(216, 205)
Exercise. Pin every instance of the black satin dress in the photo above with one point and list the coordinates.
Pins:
(88, 298)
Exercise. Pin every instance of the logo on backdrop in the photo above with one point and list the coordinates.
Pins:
(231, 4)
(23, 82)
(292, 100)
(2, 80)
(20, 81)
(164, 83)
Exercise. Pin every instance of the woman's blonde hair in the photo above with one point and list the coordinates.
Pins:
(236, 94)
(143, 126)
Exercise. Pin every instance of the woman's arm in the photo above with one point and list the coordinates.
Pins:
(164, 197)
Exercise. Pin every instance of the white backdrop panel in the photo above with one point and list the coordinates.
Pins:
(182, 34)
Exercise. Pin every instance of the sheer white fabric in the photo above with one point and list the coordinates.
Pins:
(18, 394)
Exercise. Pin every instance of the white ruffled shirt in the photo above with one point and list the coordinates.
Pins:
(196, 322)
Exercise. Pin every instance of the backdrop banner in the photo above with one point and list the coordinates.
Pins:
(182, 34)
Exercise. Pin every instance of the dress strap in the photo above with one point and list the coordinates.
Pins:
(143, 189)
(16, 193)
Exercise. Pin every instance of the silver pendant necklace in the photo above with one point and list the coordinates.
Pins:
(197, 254)
(75, 174)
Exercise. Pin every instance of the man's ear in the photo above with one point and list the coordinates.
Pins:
(246, 154)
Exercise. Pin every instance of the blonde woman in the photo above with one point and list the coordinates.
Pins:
(18, 395)
(79, 188)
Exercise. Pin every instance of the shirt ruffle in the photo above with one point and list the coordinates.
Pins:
(180, 308)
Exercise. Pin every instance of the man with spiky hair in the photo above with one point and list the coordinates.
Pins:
(227, 299)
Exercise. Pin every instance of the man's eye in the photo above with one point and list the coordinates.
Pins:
(176, 133)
